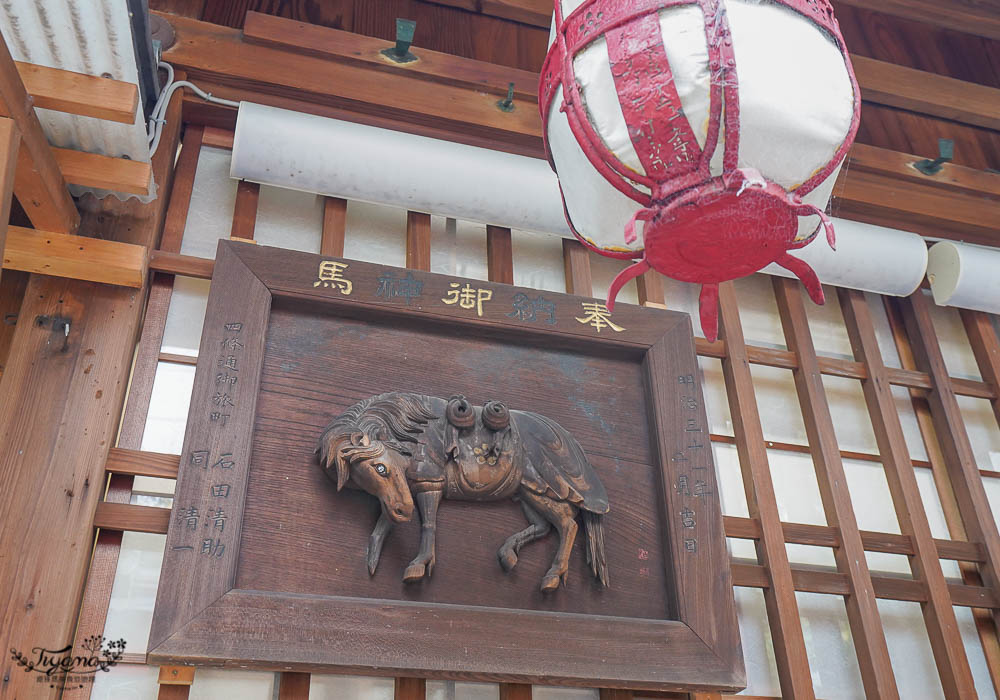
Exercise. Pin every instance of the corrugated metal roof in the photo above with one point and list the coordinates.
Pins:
(86, 36)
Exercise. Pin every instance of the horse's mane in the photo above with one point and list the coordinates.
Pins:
(393, 419)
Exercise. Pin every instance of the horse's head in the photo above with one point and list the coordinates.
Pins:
(372, 466)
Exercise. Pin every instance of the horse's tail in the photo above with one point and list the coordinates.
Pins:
(594, 525)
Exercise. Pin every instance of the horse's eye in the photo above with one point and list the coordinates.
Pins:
(380, 468)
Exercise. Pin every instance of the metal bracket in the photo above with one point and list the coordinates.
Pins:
(946, 151)
(57, 324)
(507, 104)
(400, 53)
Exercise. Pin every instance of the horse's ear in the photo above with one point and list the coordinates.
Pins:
(359, 439)
(343, 470)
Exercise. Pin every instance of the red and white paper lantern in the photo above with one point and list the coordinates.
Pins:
(701, 137)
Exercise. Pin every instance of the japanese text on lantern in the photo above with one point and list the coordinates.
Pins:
(691, 477)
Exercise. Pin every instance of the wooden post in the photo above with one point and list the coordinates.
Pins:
(499, 255)
(939, 615)
(862, 611)
(576, 263)
(293, 686)
(515, 691)
(10, 141)
(334, 227)
(104, 563)
(649, 287)
(418, 241)
(779, 597)
(175, 682)
(245, 210)
(62, 400)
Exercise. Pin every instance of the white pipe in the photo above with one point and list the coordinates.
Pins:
(869, 258)
(354, 161)
(357, 162)
(964, 275)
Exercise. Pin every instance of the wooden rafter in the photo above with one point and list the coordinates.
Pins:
(76, 257)
(978, 17)
(10, 141)
(39, 184)
(78, 93)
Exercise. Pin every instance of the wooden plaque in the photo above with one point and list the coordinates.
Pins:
(264, 564)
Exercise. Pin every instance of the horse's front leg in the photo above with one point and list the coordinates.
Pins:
(376, 540)
(427, 502)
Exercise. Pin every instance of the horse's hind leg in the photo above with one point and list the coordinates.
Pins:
(539, 527)
(563, 516)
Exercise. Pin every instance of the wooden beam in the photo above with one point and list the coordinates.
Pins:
(212, 54)
(939, 616)
(779, 597)
(862, 610)
(137, 463)
(811, 580)
(10, 141)
(927, 93)
(348, 47)
(177, 264)
(977, 17)
(104, 172)
(79, 93)
(76, 257)
(39, 185)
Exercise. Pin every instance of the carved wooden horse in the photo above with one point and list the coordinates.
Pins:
(405, 447)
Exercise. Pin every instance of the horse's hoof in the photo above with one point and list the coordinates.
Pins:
(507, 559)
(414, 573)
(550, 583)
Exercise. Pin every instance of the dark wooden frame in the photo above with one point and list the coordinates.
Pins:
(201, 618)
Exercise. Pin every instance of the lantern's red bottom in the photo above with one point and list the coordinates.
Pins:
(726, 228)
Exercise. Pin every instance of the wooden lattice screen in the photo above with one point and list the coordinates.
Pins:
(974, 540)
